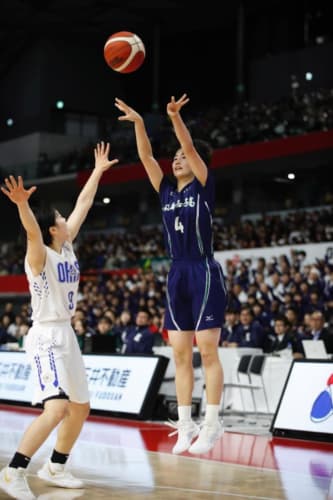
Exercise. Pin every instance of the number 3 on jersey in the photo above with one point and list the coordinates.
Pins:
(178, 225)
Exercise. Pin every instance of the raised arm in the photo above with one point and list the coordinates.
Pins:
(17, 194)
(87, 195)
(143, 144)
(198, 167)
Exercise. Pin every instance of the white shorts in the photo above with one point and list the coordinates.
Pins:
(57, 362)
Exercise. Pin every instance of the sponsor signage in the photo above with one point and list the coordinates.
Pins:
(119, 385)
(305, 409)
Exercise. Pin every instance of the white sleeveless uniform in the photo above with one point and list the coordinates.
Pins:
(51, 344)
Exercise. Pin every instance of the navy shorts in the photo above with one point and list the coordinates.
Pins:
(196, 295)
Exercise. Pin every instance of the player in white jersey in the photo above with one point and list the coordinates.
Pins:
(60, 380)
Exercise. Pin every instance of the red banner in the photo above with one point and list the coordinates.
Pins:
(18, 283)
(236, 155)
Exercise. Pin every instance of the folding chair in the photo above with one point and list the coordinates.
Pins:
(242, 370)
(256, 369)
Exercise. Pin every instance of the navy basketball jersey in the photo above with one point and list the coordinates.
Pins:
(188, 218)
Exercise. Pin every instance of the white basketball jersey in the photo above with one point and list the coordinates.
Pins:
(54, 290)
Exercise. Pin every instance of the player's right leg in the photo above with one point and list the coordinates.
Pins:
(13, 477)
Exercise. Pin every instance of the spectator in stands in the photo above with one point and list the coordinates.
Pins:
(61, 385)
(293, 317)
(229, 330)
(22, 333)
(14, 327)
(328, 283)
(314, 281)
(192, 311)
(274, 310)
(104, 327)
(329, 313)
(123, 322)
(261, 315)
(305, 326)
(94, 314)
(238, 296)
(5, 336)
(318, 331)
(250, 332)
(304, 290)
(160, 333)
(9, 310)
(264, 295)
(282, 338)
(138, 338)
(314, 303)
(83, 333)
(277, 287)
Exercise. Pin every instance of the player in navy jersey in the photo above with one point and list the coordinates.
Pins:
(196, 292)
(60, 382)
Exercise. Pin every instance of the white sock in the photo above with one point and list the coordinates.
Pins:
(185, 412)
(212, 414)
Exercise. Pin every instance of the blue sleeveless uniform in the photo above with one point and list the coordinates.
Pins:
(196, 291)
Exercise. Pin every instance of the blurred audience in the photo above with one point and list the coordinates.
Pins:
(246, 122)
(109, 251)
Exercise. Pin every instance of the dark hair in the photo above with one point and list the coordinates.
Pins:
(246, 307)
(281, 317)
(144, 310)
(46, 219)
(231, 310)
(104, 319)
(204, 149)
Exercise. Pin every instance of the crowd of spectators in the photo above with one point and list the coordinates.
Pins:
(123, 250)
(245, 122)
(272, 304)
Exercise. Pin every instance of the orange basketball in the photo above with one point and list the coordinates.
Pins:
(124, 52)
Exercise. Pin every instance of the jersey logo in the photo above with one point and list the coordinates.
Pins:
(67, 272)
(209, 317)
(188, 202)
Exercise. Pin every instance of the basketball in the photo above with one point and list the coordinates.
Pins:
(124, 52)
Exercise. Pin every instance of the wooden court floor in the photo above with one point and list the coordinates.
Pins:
(133, 460)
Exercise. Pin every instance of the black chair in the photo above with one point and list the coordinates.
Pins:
(158, 340)
(103, 344)
(196, 359)
(256, 370)
(242, 372)
(252, 366)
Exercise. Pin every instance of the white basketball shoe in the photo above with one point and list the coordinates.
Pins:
(187, 430)
(208, 435)
(56, 475)
(14, 483)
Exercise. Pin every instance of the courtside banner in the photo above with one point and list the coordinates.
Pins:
(305, 409)
(120, 385)
(15, 377)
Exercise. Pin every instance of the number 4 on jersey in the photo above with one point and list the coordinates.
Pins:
(178, 225)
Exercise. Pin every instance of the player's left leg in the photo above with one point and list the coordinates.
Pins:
(53, 471)
(211, 428)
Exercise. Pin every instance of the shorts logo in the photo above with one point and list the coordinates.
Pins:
(322, 407)
(210, 317)
(47, 378)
